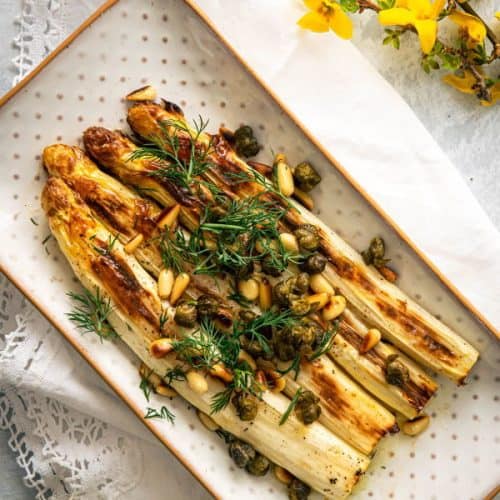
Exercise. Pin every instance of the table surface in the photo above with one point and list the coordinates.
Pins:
(447, 116)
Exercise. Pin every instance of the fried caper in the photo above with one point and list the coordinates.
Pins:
(314, 264)
(306, 176)
(246, 315)
(246, 405)
(396, 373)
(300, 307)
(259, 466)
(307, 408)
(253, 347)
(307, 237)
(207, 306)
(185, 314)
(297, 490)
(270, 265)
(300, 283)
(245, 144)
(375, 253)
(284, 351)
(242, 453)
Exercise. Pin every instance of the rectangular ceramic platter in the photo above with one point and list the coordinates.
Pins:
(167, 44)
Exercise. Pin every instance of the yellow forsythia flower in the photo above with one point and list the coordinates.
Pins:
(474, 27)
(466, 83)
(497, 15)
(326, 15)
(418, 13)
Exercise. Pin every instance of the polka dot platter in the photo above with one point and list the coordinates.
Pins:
(167, 44)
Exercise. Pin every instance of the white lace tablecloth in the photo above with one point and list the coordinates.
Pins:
(72, 436)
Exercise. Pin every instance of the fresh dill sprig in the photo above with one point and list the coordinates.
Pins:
(326, 342)
(220, 400)
(291, 406)
(168, 149)
(164, 414)
(163, 319)
(175, 374)
(109, 245)
(146, 386)
(91, 312)
(294, 366)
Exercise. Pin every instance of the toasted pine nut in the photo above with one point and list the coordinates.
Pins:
(148, 374)
(165, 283)
(265, 295)
(334, 308)
(278, 383)
(371, 339)
(289, 242)
(319, 300)
(196, 382)
(282, 475)
(147, 93)
(319, 284)
(207, 422)
(132, 245)
(170, 218)
(163, 390)
(181, 282)
(249, 289)
(244, 356)
(388, 274)
(220, 371)
(416, 426)
(284, 176)
(161, 347)
(304, 198)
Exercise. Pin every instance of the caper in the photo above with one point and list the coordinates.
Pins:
(307, 237)
(246, 405)
(259, 466)
(207, 306)
(307, 408)
(242, 453)
(269, 265)
(396, 373)
(375, 253)
(185, 314)
(253, 347)
(281, 291)
(245, 143)
(300, 307)
(284, 351)
(246, 315)
(297, 490)
(306, 176)
(314, 264)
(300, 283)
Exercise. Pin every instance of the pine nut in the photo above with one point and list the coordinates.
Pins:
(220, 371)
(289, 242)
(334, 308)
(170, 218)
(196, 382)
(282, 475)
(284, 176)
(249, 289)
(416, 426)
(244, 356)
(207, 422)
(165, 391)
(265, 295)
(181, 282)
(371, 339)
(132, 245)
(147, 93)
(304, 198)
(318, 300)
(277, 382)
(161, 347)
(165, 283)
(320, 284)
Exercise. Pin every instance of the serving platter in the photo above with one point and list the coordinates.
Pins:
(170, 45)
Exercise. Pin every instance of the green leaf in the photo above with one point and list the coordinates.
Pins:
(349, 5)
(291, 406)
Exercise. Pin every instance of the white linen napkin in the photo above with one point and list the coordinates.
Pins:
(359, 117)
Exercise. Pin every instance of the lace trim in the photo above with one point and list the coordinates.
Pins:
(61, 451)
